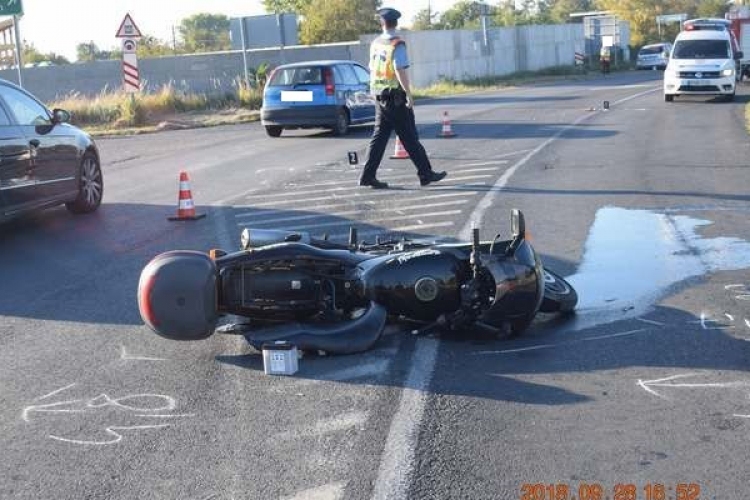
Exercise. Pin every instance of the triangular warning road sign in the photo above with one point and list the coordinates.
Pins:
(128, 29)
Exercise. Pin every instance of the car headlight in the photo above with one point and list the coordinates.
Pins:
(727, 72)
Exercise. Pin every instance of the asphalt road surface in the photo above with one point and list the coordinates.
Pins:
(643, 395)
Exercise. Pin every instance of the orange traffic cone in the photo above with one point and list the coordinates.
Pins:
(446, 131)
(185, 206)
(400, 153)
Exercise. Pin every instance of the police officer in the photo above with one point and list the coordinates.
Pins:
(389, 84)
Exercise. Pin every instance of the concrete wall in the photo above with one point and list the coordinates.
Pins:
(435, 55)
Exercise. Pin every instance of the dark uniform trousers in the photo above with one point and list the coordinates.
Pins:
(391, 113)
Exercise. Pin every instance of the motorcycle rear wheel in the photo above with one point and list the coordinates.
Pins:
(559, 296)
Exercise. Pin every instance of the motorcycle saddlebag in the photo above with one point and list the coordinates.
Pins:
(177, 295)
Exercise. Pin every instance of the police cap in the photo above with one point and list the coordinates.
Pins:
(389, 14)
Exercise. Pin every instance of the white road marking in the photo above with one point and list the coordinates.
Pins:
(396, 463)
(400, 229)
(358, 198)
(355, 187)
(647, 385)
(369, 221)
(482, 163)
(351, 212)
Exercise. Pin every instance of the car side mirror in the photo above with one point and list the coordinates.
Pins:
(739, 55)
(60, 116)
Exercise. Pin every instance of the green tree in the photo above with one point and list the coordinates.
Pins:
(560, 10)
(283, 6)
(426, 19)
(30, 55)
(205, 32)
(150, 46)
(465, 14)
(327, 21)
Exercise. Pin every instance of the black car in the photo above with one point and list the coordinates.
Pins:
(44, 160)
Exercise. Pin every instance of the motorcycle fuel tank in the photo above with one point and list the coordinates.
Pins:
(422, 284)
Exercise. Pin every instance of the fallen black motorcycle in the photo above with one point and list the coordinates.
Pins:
(322, 296)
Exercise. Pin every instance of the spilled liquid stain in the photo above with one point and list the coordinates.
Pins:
(633, 257)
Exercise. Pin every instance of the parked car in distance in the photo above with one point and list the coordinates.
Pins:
(654, 56)
(44, 160)
(317, 94)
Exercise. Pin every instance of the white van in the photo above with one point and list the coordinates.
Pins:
(703, 62)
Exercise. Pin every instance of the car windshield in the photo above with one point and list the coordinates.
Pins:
(656, 49)
(303, 75)
(701, 49)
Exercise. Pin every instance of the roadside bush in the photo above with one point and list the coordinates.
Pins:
(132, 112)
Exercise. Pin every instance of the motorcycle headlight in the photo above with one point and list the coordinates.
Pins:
(727, 72)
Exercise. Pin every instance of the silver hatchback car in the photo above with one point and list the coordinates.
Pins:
(654, 56)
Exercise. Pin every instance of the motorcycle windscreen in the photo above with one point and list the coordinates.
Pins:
(177, 295)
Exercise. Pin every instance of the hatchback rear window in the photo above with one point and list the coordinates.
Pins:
(658, 49)
(303, 75)
(701, 49)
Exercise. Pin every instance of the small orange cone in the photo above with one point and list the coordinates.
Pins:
(185, 206)
(400, 153)
(447, 131)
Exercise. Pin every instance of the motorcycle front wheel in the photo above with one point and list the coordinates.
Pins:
(559, 296)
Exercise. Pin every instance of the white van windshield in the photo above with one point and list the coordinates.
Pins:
(701, 49)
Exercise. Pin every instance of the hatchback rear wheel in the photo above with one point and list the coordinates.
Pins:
(273, 130)
(90, 186)
(342, 122)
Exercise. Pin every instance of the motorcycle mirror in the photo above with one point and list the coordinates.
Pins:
(353, 238)
(245, 239)
(517, 224)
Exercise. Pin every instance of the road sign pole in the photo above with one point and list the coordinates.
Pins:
(19, 61)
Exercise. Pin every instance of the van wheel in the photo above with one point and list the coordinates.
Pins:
(273, 130)
(342, 123)
(668, 97)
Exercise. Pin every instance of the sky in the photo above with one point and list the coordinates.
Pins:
(59, 26)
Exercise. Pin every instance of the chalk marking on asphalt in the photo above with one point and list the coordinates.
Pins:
(351, 212)
(747, 322)
(561, 344)
(666, 382)
(395, 177)
(741, 416)
(397, 461)
(332, 491)
(56, 391)
(650, 321)
(128, 357)
(731, 318)
(111, 431)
